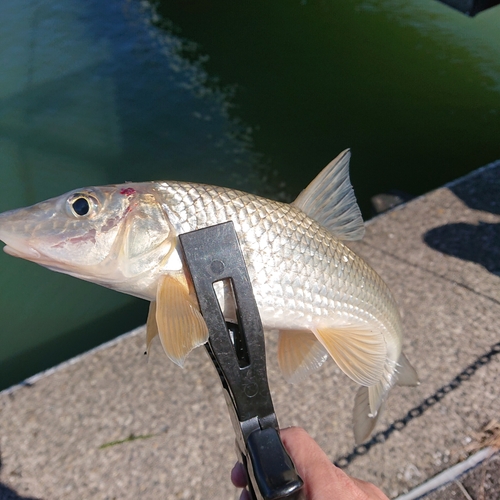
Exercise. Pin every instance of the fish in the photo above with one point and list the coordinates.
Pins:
(311, 289)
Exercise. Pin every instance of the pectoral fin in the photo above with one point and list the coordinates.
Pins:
(151, 326)
(359, 351)
(299, 353)
(181, 326)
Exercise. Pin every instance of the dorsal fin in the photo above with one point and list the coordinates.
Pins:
(329, 200)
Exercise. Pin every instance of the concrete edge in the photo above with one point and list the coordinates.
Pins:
(478, 171)
(454, 182)
(448, 475)
(35, 378)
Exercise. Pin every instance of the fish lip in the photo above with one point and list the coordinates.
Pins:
(27, 252)
(30, 254)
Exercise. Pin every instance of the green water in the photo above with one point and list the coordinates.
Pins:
(258, 96)
(412, 87)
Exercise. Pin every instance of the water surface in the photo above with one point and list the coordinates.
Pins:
(258, 96)
(412, 87)
(91, 93)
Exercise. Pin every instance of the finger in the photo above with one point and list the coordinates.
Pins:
(245, 495)
(370, 489)
(239, 476)
(322, 480)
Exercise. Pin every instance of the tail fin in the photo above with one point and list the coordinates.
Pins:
(363, 420)
(406, 373)
(369, 401)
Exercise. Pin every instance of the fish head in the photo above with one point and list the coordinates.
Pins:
(108, 235)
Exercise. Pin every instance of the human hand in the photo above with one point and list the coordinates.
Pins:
(322, 479)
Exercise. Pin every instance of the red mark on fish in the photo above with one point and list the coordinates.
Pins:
(128, 191)
(89, 236)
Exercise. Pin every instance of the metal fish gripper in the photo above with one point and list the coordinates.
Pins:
(237, 350)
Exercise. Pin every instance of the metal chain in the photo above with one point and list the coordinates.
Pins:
(417, 411)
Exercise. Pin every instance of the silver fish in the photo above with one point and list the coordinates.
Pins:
(309, 286)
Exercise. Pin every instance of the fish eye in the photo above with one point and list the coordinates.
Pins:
(82, 204)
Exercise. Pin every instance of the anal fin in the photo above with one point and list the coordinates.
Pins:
(299, 353)
(359, 350)
(181, 326)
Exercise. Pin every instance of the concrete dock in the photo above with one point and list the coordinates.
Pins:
(113, 425)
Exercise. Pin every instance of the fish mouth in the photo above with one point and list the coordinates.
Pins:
(25, 252)
(21, 246)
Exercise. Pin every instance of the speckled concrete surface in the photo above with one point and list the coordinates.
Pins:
(479, 483)
(115, 426)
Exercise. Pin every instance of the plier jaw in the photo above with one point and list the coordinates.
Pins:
(237, 349)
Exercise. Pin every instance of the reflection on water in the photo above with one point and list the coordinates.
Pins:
(92, 93)
(479, 37)
(258, 95)
(412, 87)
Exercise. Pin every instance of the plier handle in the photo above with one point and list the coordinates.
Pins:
(237, 349)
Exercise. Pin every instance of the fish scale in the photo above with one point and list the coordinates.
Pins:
(272, 251)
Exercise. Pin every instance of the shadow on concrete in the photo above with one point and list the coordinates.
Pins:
(481, 191)
(7, 493)
(477, 243)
